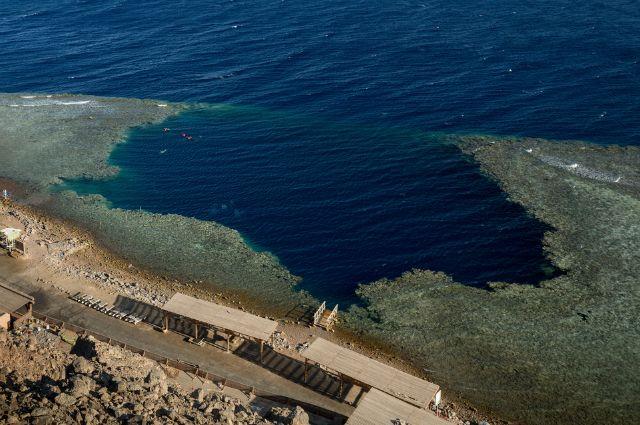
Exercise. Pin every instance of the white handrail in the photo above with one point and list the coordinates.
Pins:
(334, 314)
(318, 313)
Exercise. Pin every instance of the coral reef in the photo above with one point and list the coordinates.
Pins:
(183, 247)
(47, 139)
(563, 351)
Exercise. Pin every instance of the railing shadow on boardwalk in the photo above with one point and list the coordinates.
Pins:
(281, 364)
(293, 370)
(301, 313)
(222, 382)
(152, 315)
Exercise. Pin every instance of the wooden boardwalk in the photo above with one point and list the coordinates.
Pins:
(379, 408)
(219, 316)
(172, 345)
(12, 300)
(371, 373)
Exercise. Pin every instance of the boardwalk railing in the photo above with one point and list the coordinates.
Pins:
(333, 315)
(192, 369)
(318, 314)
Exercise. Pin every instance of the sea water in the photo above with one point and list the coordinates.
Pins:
(320, 138)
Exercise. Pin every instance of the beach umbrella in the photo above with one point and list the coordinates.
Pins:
(11, 234)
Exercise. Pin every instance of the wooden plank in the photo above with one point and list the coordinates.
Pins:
(371, 372)
(11, 299)
(220, 316)
(379, 408)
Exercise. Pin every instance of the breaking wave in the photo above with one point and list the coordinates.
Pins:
(578, 169)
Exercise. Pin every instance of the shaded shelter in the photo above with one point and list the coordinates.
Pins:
(15, 303)
(211, 315)
(369, 373)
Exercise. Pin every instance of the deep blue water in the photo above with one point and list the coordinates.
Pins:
(327, 157)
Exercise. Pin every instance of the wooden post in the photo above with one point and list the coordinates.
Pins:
(341, 385)
(228, 344)
(165, 323)
(306, 370)
(261, 351)
(195, 330)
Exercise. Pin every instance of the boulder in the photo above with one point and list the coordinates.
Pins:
(40, 411)
(68, 336)
(43, 420)
(286, 416)
(228, 416)
(82, 365)
(65, 400)
(279, 414)
(157, 381)
(156, 375)
(81, 385)
(299, 417)
(32, 343)
(119, 385)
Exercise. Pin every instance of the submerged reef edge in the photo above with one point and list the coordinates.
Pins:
(563, 351)
(557, 352)
(53, 138)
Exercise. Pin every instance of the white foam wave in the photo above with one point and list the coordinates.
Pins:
(580, 170)
(55, 103)
(78, 102)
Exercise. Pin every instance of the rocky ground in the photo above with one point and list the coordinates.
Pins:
(44, 380)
